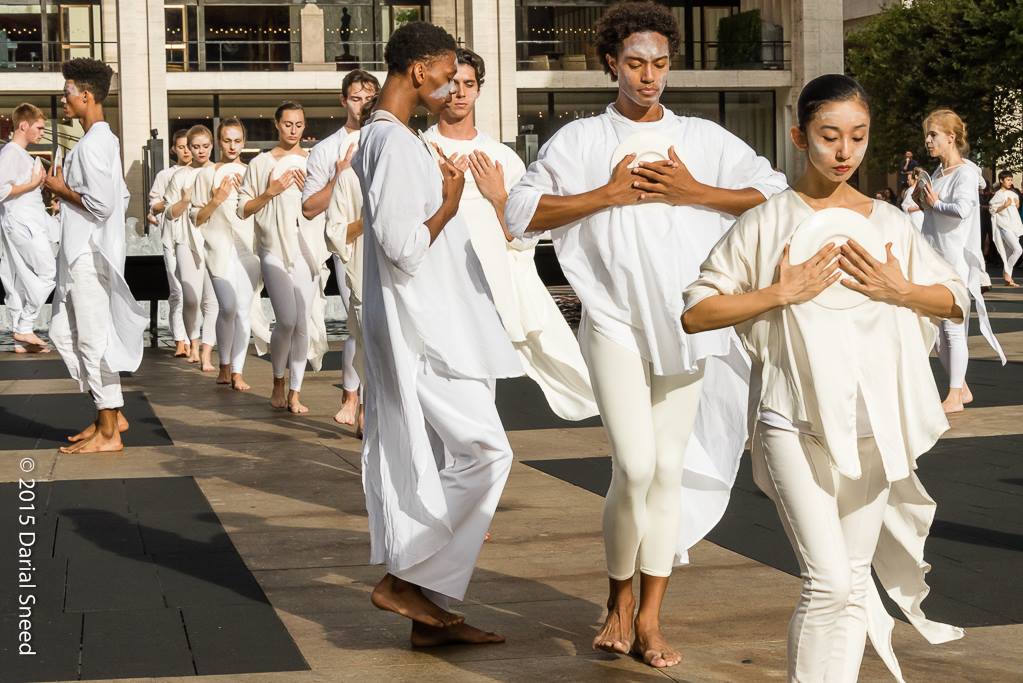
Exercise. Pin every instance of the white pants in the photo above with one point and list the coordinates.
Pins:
(234, 298)
(35, 255)
(474, 459)
(648, 419)
(954, 351)
(291, 295)
(174, 313)
(833, 524)
(198, 296)
(349, 372)
(1013, 250)
(89, 322)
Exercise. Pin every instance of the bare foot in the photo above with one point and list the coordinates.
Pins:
(1009, 282)
(181, 349)
(206, 358)
(653, 649)
(30, 343)
(950, 405)
(401, 597)
(122, 427)
(294, 405)
(224, 377)
(459, 634)
(967, 394)
(279, 396)
(349, 408)
(97, 443)
(18, 348)
(238, 382)
(616, 634)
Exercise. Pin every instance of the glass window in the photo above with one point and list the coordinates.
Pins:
(750, 115)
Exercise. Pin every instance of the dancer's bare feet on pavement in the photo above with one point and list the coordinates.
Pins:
(616, 634)
(349, 408)
(238, 382)
(105, 438)
(224, 376)
(193, 351)
(653, 649)
(295, 405)
(30, 342)
(459, 634)
(954, 402)
(122, 426)
(401, 597)
(279, 396)
(181, 349)
(967, 394)
(206, 358)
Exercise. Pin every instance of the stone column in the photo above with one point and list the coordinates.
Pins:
(311, 20)
(490, 32)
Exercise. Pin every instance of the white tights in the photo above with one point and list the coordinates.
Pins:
(197, 295)
(648, 419)
(349, 374)
(833, 524)
(174, 314)
(234, 296)
(1013, 251)
(291, 295)
(953, 351)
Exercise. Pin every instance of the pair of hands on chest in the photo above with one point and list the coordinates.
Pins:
(664, 182)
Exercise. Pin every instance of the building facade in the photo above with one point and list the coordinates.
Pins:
(180, 62)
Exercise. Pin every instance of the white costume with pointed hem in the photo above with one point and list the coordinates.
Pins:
(818, 368)
(97, 325)
(157, 192)
(292, 252)
(1007, 228)
(629, 266)
(435, 456)
(230, 255)
(27, 264)
(545, 343)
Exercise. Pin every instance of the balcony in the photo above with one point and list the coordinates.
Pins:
(579, 55)
(47, 55)
(271, 55)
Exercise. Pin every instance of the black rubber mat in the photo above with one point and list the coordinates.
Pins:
(998, 326)
(31, 421)
(992, 383)
(522, 405)
(131, 578)
(24, 368)
(975, 546)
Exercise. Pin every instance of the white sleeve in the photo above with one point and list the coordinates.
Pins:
(729, 268)
(247, 191)
(159, 186)
(740, 167)
(317, 171)
(101, 180)
(8, 174)
(514, 169)
(543, 177)
(399, 205)
(963, 201)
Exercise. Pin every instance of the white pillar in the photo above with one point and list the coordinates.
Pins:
(311, 29)
(490, 32)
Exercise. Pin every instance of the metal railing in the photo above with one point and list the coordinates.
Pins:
(47, 55)
(579, 55)
(233, 55)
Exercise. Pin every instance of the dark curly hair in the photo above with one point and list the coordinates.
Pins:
(89, 74)
(415, 41)
(625, 18)
(470, 58)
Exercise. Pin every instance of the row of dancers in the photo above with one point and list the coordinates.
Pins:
(698, 328)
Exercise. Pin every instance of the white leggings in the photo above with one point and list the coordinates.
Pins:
(174, 313)
(349, 374)
(1013, 252)
(953, 351)
(648, 419)
(234, 296)
(35, 255)
(198, 296)
(833, 524)
(291, 295)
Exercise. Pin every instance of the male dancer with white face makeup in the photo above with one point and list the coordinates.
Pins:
(435, 456)
(327, 161)
(27, 265)
(97, 325)
(630, 238)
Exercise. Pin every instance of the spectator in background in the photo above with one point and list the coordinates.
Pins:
(907, 166)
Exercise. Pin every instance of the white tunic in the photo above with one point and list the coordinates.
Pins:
(93, 169)
(345, 207)
(156, 194)
(182, 228)
(546, 345)
(916, 216)
(813, 362)
(423, 303)
(27, 214)
(283, 231)
(323, 157)
(227, 238)
(952, 227)
(1008, 220)
(630, 265)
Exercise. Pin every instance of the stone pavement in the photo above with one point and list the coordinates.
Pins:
(151, 577)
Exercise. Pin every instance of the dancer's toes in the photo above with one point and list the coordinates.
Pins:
(181, 350)
(18, 348)
(950, 405)
(349, 408)
(238, 382)
(967, 394)
(294, 405)
(616, 634)
(84, 434)
(279, 396)
(459, 634)
(407, 599)
(653, 649)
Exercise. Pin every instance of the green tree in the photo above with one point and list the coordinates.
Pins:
(915, 57)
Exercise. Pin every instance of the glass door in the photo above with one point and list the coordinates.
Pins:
(79, 28)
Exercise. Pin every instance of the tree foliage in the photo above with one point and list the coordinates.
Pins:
(915, 57)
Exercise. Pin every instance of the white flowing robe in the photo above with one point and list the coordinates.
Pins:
(182, 228)
(283, 231)
(157, 193)
(952, 227)
(1007, 220)
(908, 203)
(545, 343)
(630, 264)
(93, 169)
(812, 364)
(227, 237)
(423, 303)
(25, 214)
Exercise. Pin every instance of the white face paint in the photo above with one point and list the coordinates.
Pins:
(642, 67)
(442, 92)
(837, 139)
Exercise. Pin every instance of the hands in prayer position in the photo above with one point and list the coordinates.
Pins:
(489, 176)
(799, 283)
(669, 182)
